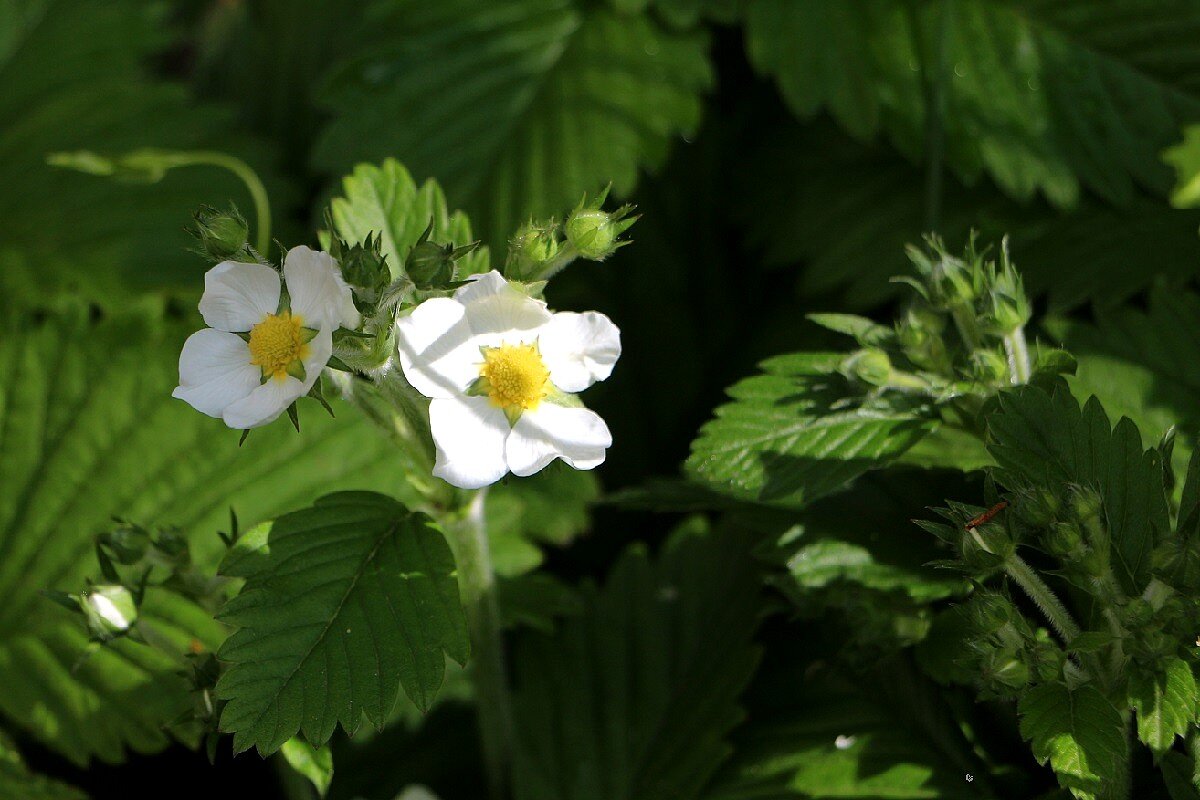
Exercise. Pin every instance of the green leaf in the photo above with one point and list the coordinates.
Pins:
(16, 781)
(1177, 771)
(314, 763)
(385, 200)
(792, 434)
(348, 600)
(1165, 701)
(1080, 733)
(1045, 97)
(1039, 438)
(845, 210)
(89, 430)
(1141, 364)
(606, 710)
(835, 733)
(73, 76)
(875, 547)
(534, 102)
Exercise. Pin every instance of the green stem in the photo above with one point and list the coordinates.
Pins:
(477, 583)
(1043, 597)
(1017, 353)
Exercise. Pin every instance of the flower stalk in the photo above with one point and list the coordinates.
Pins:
(489, 675)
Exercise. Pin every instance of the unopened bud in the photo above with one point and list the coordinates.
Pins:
(594, 232)
(222, 234)
(533, 246)
(870, 365)
(110, 611)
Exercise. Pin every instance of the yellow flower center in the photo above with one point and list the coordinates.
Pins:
(514, 376)
(278, 344)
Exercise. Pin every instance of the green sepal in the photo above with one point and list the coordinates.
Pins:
(297, 371)
(308, 334)
(512, 414)
(294, 415)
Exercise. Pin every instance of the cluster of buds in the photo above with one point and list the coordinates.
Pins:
(1008, 652)
(542, 248)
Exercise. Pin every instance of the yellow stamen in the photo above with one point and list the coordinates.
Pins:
(515, 376)
(278, 342)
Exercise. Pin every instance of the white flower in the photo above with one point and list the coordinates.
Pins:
(250, 379)
(497, 365)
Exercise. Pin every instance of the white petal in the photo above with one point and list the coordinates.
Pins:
(498, 312)
(214, 371)
(319, 351)
(318, 292)
(576, 435)
(469, 434)
(579, 349)
(264, 404)
(237, 296)
(437, 352)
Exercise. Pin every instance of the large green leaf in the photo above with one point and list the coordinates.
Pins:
(1080, 733)
(1039, 438)
(845, 210)
(384, 200)
(343, 603)
(88, 430)
(516, 106)
(73, 75)
(816, 731)
(1044, 95)
(1141, 364)
(791, 435)
(634, 698)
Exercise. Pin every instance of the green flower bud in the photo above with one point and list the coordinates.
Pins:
(870, 365)
(987, 546)
(1086, 504)
(594, 232)
(1008, 301)
(1038, 507)
(363, 266)
(991, 612)
(1063, 539)
(110, 611)
(222, 235)
(1008, 671)
(533, 246)
(431, 265)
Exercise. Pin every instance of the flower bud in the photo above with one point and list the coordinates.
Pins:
(1007, 671)
(1086, 503)
(870, 365)
(1038, 507)
(987, 546)
(991, 612)
(593, 232)
(110, 611)
(1062, 539)
(533, 246)
(126, 545)
(431, 265)
(363, 266)
(222, 235)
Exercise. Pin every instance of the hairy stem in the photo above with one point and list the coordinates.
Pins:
(565, 256)
(1042, 596)
(1017, 353)
(489, 675)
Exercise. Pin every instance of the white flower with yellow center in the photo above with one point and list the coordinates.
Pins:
(500, 369)
(257, 357)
